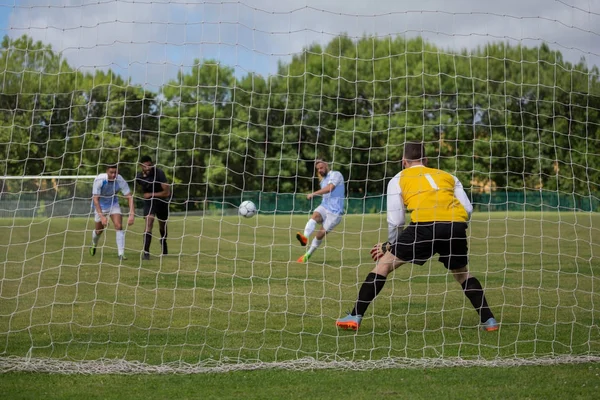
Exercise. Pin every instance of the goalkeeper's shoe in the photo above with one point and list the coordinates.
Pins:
(302, 239)
(304, 258)
(122, 257)
(349, 322)
(93, 250)
(490, 325)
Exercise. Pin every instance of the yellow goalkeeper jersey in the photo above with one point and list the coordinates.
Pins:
(428, 194)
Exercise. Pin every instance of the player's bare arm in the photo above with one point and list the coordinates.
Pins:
(165, 192)
(327, 189)
(131, 217)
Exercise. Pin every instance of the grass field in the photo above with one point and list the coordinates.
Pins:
(231, 293)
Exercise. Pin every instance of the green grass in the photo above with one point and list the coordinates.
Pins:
(579, 381)
(231, 292)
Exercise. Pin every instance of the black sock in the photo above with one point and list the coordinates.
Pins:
(368, 291)
(474, 292)
(147, 241)
(163, 241)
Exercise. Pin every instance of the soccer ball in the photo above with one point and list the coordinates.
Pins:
(247, 209)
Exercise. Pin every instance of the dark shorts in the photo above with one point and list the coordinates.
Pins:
(157, 207)
(417, 243)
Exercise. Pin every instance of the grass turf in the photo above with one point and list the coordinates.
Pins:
(231, 292)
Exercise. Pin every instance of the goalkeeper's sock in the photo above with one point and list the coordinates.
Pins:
(147, 241)
(474, 293)
(368, 291)
(314, 245)
(121, 242)
(310, 227)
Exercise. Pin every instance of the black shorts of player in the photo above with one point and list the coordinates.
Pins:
(418, 242)
(158, 207)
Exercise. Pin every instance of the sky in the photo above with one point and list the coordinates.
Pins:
(149, 41)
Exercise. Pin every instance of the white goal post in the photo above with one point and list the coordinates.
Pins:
(46, 195)
(234, 101)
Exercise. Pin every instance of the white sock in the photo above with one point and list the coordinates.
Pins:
(314, 245)
(310, 227)
(95, 237)
(121, 242)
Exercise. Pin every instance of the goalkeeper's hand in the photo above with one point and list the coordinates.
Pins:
(379, 250)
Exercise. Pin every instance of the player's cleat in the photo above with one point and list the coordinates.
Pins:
(303, 258)
(490, 325)
(302, 239)
(146, 256)
(93, 250)
(349, 322)
(122, 257)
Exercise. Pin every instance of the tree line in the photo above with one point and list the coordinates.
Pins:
(500, 117)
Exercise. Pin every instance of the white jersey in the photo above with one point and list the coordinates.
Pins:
(334, 201)
(107, 190)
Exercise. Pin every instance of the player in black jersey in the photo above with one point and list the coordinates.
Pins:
(157, 192)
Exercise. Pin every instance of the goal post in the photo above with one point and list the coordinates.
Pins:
(45, 196)
(235, 102)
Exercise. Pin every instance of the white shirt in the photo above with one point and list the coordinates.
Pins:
(107, 190)
(334, 201)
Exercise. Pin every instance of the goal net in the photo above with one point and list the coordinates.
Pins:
(234, 101)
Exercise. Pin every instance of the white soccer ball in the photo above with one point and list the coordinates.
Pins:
(247, 209)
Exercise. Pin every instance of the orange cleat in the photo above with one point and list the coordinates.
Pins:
(303, 258)
(490, 325)
(349, 322)
(302, 239)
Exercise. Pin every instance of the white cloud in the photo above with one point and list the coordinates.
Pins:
(150, 40)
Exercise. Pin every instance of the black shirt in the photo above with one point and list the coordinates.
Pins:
(151, 183)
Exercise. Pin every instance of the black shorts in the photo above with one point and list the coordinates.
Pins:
(157, 207)
(418, 242)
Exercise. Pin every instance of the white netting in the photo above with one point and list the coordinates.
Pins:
(234, 101)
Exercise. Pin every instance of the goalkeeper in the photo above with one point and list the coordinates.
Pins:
(440, 211)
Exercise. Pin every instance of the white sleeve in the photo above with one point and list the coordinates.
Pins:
(460, 194)
(123, 186)
(395, 208)
(336, 179)
(97, 187)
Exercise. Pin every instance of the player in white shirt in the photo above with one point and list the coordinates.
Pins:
(329, 213)
(106, 204)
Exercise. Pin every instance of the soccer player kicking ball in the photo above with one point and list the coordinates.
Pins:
(329, 213)
(440, 211)
(106, 203)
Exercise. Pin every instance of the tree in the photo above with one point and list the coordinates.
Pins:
(501, 117)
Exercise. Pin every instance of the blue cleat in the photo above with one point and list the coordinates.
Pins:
(490, 325)
(349, 322)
